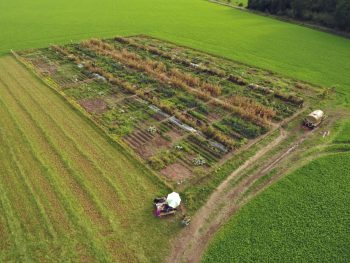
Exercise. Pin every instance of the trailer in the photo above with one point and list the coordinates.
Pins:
(314, 119)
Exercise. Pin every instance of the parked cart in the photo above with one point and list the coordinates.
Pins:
(167, 205)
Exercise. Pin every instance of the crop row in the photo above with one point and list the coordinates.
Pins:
(178, 58)
(278, 94)
(182, 80)
(173, 57)
(183, 61)
(156, 69)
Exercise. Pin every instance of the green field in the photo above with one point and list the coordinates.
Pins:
(302, 218)
(66, 190)
(344, 135)
(282, 47)
(241, 3)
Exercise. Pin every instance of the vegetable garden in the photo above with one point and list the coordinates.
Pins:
(182, 111)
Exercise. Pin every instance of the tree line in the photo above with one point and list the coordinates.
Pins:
(330, 13)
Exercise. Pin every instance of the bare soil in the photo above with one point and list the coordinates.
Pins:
(96, 106)
(152, 147)
(176, 172)
(44, 67)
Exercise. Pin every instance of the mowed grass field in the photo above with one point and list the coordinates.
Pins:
(286, 48)
(66, 191)
(305, 217)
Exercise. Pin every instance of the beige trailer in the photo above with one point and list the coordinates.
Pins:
(314, 118)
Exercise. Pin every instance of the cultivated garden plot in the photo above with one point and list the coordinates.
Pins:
(183, 111)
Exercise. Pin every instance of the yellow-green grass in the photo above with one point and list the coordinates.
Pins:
(286, 48)
(66, 190)
(241, 3)
(304, 217)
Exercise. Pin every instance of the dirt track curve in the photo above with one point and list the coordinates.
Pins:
(224, 202)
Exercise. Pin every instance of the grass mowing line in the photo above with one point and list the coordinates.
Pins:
(4, 233)
(12, 221)
(24, 197)
(91, 161)
(5, 242)
(38, 182)
(71, 206)
(42, 183)
(95, 154)
(63, 159)
(27, 185)
(44, 230)
(36, 94)
(79, 177)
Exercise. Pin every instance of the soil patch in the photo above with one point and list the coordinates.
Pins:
(176, 172)
(97, 106)
(46, 68)
(151, 148)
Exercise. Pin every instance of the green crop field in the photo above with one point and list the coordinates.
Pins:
(304, 217)
(282, 47)
(66, 191)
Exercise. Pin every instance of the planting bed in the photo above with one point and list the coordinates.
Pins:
(177, 108)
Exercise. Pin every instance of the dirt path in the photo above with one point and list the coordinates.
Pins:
(224, 201)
